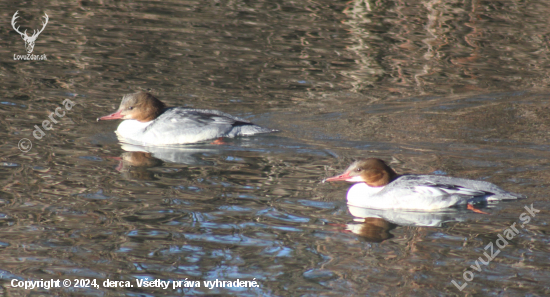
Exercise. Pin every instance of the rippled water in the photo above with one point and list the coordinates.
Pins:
(452, 88)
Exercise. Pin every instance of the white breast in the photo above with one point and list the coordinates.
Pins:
(360, 194)
(132, 130)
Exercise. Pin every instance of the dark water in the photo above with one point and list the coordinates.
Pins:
(455, 88)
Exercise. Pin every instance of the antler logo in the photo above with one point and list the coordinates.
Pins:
(29, 41)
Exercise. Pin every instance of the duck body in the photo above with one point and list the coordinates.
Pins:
(148, 122)
(426, 192)
(378, 186)
(179, 125)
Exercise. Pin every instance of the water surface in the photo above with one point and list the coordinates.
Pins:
(453, 88)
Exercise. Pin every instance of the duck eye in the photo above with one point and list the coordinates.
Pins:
(130, 108)
(358, 169)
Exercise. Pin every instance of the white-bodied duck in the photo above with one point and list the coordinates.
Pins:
(379, 186)
(148, 121)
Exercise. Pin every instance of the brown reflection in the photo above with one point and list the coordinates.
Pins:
(134, 165)
(368, 69)
(372, 229)
(140, 159)
(447, 46)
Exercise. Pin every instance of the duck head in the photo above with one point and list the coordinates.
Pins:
(374, 172)
(141, 106)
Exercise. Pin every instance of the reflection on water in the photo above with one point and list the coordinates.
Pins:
(412, 218)
(446, 46)
(431, 87)
(372, 229)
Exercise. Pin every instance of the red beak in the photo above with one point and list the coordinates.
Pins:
(114, 116)
(340, 177)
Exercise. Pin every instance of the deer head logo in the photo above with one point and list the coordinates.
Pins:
(29, 41)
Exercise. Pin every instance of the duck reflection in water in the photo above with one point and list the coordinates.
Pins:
(137, 160)
(134, 165)
(371, 229)
(185, 154)
(374, 225)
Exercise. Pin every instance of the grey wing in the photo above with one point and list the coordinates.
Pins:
(492, 191)
(451, 189)
(432, 185)
(192, 125)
